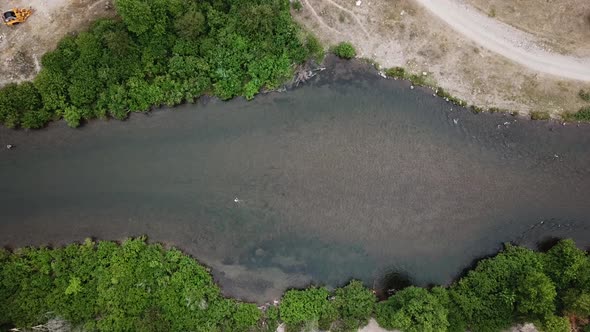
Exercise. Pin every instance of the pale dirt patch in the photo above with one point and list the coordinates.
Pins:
(565, 25)
(403, 33)
(22, 46)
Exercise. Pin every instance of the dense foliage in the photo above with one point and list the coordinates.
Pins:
(137, 286)
(345, 50)
(160, 52)
(111, 287)
(413, 309)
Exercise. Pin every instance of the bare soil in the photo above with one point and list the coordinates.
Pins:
(22, 46)
(564, 25)
(402, 33)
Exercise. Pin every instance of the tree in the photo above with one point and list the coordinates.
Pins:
(191, 24)
(535, 295)
(413, 309)
(490, 296)
(355, 304)
(556, 324)
(301, 306)
(567, 265)
(137, 15)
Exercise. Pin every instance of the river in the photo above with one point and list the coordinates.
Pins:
(350, 175)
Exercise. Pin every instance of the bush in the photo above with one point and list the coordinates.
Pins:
(585, 95)
(345, 50)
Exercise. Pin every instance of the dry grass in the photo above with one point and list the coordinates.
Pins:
(563, 25)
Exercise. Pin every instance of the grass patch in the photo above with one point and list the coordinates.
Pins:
(315, 48)
(585, 95)
(450, 98)
(476, 109)
(396, 72)
(582, 115)
(296, 5)
(538, 115)
(345, 50)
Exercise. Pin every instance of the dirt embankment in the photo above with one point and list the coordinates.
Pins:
(22, 46)
(405, 33)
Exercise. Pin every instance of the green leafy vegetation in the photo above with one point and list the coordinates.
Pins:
(582, 115)
(345, 50)
(296, 5)
(161, 52)
(135, 286)
(413, 309)
(109, 287)
(396, 72)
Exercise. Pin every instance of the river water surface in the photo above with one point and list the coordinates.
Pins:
(348, 176)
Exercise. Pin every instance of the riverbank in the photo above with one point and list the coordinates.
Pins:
(402, 34)
(406, 34)
(134, 285)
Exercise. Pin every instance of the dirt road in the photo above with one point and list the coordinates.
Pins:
(505, 40)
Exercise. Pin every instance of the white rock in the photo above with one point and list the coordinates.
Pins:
(9, 146)
(411, 87)
(424, 73)
(359, 2)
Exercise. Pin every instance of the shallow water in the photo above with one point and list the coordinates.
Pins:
(348, 176)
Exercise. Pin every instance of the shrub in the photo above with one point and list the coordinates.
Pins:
(345, 50)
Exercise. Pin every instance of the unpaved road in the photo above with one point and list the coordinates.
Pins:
(506, 40)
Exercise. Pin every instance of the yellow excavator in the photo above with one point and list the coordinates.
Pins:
(16, 16)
